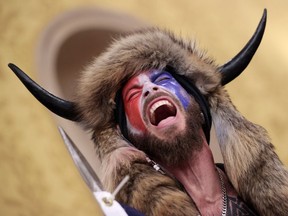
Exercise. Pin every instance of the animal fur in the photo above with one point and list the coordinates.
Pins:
(250, 161)
(252, 165)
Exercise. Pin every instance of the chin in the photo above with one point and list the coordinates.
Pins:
(174, 143)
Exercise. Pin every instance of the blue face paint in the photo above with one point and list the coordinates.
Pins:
(167, 81)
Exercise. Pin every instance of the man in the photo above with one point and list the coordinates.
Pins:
(165, 122)
(153, 96)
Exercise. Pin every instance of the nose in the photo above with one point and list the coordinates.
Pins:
(149, 88)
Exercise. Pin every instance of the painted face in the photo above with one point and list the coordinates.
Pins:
(153, 101)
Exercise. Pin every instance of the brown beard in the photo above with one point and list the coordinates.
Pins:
(177, 148)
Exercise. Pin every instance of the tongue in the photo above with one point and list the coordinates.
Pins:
(164, 121)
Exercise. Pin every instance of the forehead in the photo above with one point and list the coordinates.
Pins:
(143, 77)
(140, 79)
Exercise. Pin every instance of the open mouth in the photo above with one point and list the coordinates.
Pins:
(160, 111)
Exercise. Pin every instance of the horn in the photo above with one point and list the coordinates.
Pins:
(235, 66)
(60, 107)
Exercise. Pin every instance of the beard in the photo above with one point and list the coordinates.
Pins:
(177, 147)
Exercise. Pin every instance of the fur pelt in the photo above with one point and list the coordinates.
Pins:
(249, 158)
(252, 165)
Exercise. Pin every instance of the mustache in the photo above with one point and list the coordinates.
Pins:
(152, 97)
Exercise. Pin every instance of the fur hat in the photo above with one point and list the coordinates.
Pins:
(94, 104)
(128, 56)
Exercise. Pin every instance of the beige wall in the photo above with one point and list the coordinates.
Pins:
(37, 176)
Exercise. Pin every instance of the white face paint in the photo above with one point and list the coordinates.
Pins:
(153, 102)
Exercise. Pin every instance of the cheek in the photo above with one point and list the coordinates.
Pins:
(179, 92)
(133, 114)
(184, 98)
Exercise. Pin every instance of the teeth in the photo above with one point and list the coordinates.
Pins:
(161, 110)
(158, 104)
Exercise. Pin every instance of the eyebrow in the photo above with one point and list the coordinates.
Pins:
(156, 75)
(126, 91)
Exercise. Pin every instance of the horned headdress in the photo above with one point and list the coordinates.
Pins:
(98, 107)
(151, 48)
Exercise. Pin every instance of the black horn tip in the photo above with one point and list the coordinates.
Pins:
(60, 107)
(11, 65)
(14, 68)
(235, 66)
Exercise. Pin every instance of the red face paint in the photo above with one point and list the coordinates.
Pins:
(131, 95)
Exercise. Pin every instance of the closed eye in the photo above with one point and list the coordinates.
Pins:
(133, 93)
(162, 78)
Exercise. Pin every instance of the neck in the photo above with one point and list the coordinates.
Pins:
(201, 180)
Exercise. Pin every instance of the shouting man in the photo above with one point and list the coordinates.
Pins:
(166, 122)
(152, 97)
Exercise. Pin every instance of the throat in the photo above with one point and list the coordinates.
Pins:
(203, 183)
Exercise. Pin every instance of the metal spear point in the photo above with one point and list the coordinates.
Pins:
(105, 199)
